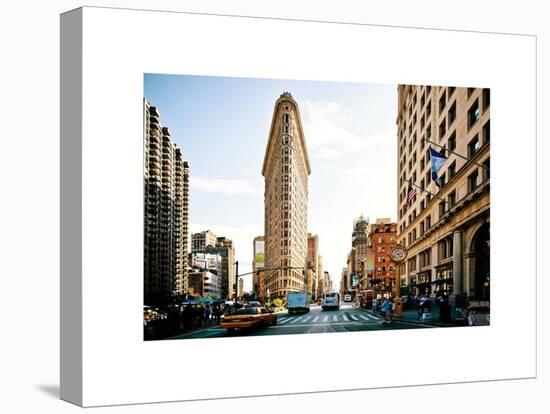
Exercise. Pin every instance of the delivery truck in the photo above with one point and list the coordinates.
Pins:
(298, 302)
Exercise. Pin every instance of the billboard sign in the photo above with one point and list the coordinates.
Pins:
(369, 260)
(259, 257)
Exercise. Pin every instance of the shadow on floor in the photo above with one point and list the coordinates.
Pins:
(49, 389)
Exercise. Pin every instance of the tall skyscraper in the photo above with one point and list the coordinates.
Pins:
(445, 226)
(166, 211)
(359, 245)
(312, 264)
(286, 169)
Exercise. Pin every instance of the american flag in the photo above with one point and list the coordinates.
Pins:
(411, 193)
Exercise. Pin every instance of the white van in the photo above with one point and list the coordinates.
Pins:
(331, 301)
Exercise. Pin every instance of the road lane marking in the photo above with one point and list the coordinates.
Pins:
(335, 318)
(289, 326)
(296, 319)
(315, 319)
(325, 319)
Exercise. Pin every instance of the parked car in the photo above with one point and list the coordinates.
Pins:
(248, 318)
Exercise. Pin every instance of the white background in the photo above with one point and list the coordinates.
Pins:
(29, 264)
(116, 53)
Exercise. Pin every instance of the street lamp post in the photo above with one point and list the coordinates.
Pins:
(236, 281)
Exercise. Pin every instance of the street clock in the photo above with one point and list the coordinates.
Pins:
(398, 253)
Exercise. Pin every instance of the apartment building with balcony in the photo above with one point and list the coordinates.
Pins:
(166, 211)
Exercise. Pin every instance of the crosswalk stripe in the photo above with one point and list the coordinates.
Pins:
(285, 320)
(353, 317)
(296, 319)
(307, 318)
(325, 319)
(334, 318)
(315, 319)
(374, 316)
(364, 317)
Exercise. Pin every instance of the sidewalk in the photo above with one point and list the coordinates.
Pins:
(411, 315)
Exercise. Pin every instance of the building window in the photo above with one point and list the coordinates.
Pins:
(473, 114)
(473, 181)
(470, 91)
(486, 98)
(451, 90)
(451, 198)
(425, 258)
(442, 208)
(473, 146)
(428, 222)
(411, 264)
(442, 130)
(452, 170)
(452, 114)
(487, 132)
(442, 102)
(452, 142)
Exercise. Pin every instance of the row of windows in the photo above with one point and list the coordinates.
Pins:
(474, 181)
(473, 147)
(473, 117)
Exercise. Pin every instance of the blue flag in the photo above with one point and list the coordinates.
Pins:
(438, 160)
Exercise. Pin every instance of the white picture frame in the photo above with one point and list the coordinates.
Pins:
(104, 54)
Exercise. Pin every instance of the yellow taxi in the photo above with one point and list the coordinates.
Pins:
(248, 318)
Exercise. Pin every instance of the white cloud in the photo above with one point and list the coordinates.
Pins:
(355, 167)
(329, 132)
(226, 186)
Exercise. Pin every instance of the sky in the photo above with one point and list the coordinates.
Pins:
(222, 125)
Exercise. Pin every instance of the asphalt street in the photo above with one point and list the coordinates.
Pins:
(346, 319)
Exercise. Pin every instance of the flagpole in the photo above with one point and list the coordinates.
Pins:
(429, 192)
(458, 155)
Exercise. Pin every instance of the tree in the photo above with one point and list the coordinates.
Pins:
(278, 302)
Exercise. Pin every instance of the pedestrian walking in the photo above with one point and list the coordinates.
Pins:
(207, 315)
(216, 314)
(385, 310)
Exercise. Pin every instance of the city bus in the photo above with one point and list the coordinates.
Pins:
(331, 301)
